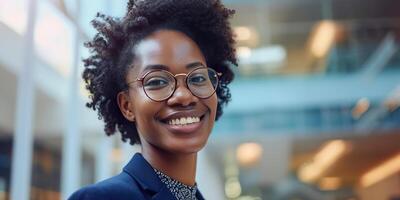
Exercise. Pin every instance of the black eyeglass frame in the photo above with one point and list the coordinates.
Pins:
(219, 74)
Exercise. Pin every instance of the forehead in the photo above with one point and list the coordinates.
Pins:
(167, 47)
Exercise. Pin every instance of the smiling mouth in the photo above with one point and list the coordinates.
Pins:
(183, 121)
(186, 125)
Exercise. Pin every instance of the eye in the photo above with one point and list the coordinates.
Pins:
(198, 79)
(156, 83)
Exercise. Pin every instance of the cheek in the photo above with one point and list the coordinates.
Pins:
(212, 104)
(145, 109)
(215, 101)
(145, 119)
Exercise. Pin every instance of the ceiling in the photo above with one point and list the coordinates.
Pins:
(290, 24)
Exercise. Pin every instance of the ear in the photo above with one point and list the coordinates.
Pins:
(125, 106)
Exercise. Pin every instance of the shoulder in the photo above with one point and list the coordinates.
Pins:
(88, 193)
(119, 187)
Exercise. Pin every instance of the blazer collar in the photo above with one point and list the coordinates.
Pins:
(145, 175)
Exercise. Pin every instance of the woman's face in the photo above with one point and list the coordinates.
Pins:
(177, 53)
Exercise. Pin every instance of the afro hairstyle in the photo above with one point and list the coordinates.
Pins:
(112, 51)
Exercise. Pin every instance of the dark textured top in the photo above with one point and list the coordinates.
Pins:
(178, 189)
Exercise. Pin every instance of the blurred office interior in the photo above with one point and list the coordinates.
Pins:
(314, 112)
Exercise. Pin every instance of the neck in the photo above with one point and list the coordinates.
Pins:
(181, 167)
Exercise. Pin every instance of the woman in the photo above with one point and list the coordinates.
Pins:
(159, 77)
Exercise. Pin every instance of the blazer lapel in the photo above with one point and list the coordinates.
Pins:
(140, 170)
(199, 196)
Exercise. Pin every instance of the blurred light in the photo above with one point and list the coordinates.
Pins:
(116, 155)
(249, 154)
(392, 103)
(325, 158)
(54, 36)
(330, 183)
(13, 13)
(361, 107)
(271, 56)
(243, 52)
(232, 187)
(386, 169)
(242, 33)
(323, 38)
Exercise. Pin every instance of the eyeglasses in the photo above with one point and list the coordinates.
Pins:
(159, 85)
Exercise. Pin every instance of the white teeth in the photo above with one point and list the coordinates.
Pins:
(184, 121)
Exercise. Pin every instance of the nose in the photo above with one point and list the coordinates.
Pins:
(182, 95)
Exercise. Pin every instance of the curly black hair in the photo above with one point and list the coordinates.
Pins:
(204, 21)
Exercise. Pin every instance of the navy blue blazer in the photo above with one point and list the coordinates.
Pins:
(137, 181)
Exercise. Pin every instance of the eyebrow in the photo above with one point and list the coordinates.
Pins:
(165, 67)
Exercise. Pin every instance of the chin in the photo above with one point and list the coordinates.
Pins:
(187, 147)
